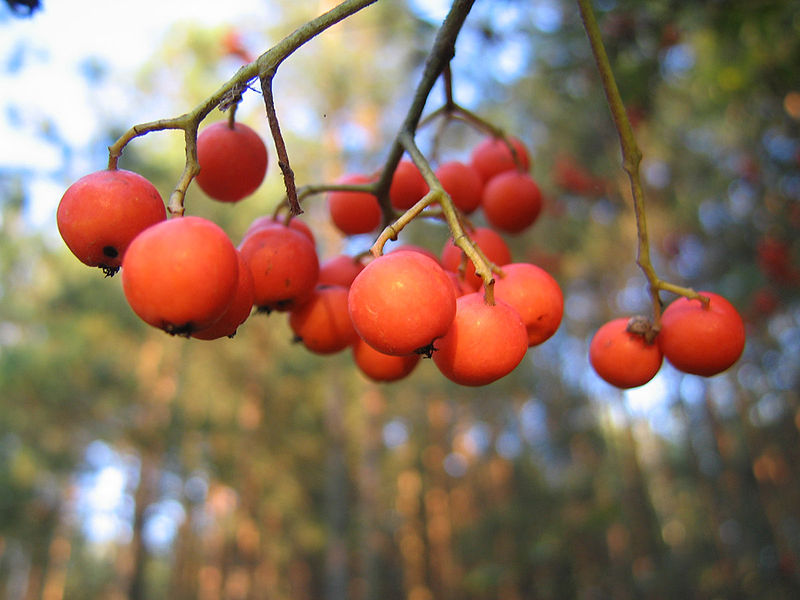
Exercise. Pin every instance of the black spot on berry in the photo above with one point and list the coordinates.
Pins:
(110, 251)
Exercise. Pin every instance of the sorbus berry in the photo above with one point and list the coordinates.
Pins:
(382, 367)
(622, 358)
(180, 275)
(339, 270)
(401, 302)
(322, 323)
(511, 201)
(484, 343)
(238, 310)
(490, 242)
(702, 340)
(535, 295)
(462, 183)
(233, 161)
(284, 265)
(492, 156)
(408, 186)
(354, 212)
(101, 213)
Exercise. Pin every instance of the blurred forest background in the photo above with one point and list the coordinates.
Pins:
(136, 465)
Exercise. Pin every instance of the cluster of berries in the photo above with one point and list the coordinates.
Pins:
(495, 180)
(695, 337)
(185, 276)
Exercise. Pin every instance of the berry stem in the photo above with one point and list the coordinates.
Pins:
(442, 52)
(631, 159)
(280, 145)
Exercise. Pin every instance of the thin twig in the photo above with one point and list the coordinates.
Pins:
(631, 159)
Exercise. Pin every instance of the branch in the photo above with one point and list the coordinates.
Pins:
(441, 54)
(266, 63)
(631, 159)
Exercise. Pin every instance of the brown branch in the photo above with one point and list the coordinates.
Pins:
(229, 91)
(631, 159)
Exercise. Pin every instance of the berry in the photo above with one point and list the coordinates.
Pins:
(511, 201)
(238, 310)
(354, 212)
(492, 156)
(462, 183)
(284, 265)
(268, 220)
(484, 343)
(702, 340)
(408, 186)
(490, 242)
(233, 161)
(339, 270)
(401, 302)
(535, 295)
(180, 275)
(622, 358)
(101, 213)
(382, 367)
(322, 323)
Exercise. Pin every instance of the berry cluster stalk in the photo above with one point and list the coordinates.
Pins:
(631, 159)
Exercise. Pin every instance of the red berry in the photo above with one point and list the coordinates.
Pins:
(401, 302)
(535, 295)
(415, 248)
(511, 201)
(180, 275)
(284, 265)
(339, 270)
(238, 310)
(484, 343)
(493, 156)
(408, 186)
(322, 323)
(233, 161)
(269, 220)
(354, 212)
(382, 367)
(622, 358)
(490, 242)
(101, 213)
(462, 183)
(701, 340)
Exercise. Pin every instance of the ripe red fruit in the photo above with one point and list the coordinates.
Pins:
(415, 248)
(180, 275)
(339, 270)
(233, 161)
(354, 212)
(269, 220)
(101, 213)
(238, 310)
(493, 246)
(484, 343)
(622, 358)
(322, 323)
(571, 176)
(493, 156)
(284, 265)
(463, 184)
(701, 340)
(382, 367)
(535, 295)
(408, 186)
(401, 302)
(511, 201)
